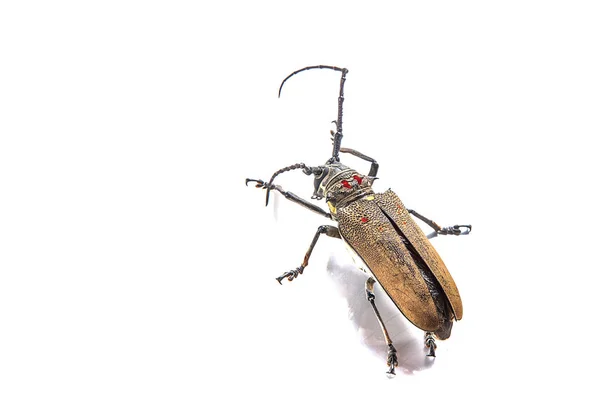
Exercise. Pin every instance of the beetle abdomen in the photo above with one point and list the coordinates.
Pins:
(391, 204)
(391, 256)
(435, 290)
(441, 302)
(373, 237)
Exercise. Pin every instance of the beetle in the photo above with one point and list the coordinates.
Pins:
(380, 231)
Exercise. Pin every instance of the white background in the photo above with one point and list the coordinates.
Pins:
(134, 261)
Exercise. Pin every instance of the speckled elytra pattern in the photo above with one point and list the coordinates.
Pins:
(365, 227)
(390, 203)
(370, 234)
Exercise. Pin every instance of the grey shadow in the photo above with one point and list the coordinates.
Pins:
(408, 340)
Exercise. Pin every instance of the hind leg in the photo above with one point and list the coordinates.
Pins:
(392, 359)
(430, 344)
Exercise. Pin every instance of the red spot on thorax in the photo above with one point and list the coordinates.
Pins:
(346, 184)
(357, 178)
(364, 219)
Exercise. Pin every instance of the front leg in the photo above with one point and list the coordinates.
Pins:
(453, 230)
(290, 196)
(374, 164)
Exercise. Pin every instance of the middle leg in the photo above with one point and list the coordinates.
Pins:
(453, 230)
(328, 230)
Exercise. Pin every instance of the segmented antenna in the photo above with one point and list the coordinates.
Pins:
(337, 139)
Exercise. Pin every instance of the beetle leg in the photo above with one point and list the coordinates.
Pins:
(430, 343)
(453, 230)
(392, 359)
(328, 230)
(374, 164)
(290, 196)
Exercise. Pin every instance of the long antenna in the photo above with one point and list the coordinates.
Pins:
(337, 138)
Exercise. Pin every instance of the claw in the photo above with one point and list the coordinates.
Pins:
(290, 275)
(392, 361)
(259, 183)
(430, 343)
(467, 227)
(431, 351)
(370, 296)
(263, 185)
(456, 230)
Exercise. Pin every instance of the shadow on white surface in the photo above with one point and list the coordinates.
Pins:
(408, 340)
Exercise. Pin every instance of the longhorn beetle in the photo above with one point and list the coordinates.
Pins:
(380, 231)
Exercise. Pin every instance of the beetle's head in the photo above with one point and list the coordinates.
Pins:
(324, 177)
(336, 181)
